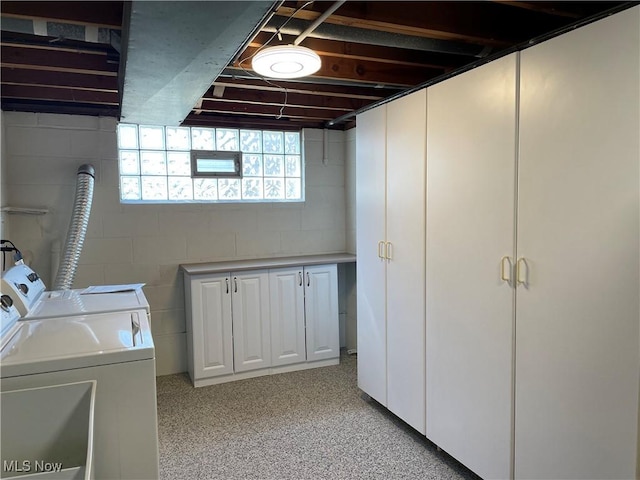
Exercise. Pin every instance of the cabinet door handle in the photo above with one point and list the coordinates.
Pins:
(522, 272)
(308, 279)
(227, 280)
(380, 248)
(506, 277)
(235, 284)
(388, 251)
(300, 278)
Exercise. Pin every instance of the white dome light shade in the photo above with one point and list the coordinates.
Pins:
(286, 61)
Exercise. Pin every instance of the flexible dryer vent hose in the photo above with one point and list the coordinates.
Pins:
(77, 228)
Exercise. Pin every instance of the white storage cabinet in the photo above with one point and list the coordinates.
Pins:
(258, 322)
(230, 329)
(532, 254)
(304, 306)
(390, 218)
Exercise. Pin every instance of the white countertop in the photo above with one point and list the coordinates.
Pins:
(271, 262)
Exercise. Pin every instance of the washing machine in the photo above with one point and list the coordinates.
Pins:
(33, 301)
(115, 350)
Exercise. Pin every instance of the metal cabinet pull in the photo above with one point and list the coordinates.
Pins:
(522, 272)
(300, 278)
(227, 280)
(380, 248)
(308, 279)
(388, 251)
(235, 284)
(506, 277)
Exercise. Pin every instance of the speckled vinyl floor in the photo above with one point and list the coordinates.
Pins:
(312, 424)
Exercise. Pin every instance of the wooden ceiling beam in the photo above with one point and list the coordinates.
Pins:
(277, 97)
(391, 17)
(101, 14)
(58, 60)
(61, 79)
(360, 51)
(33, 92)
(18, 39)
(292, 111)
(372, 73)
(46, 106)
(572, 10)
(245, 121)
(365, 93)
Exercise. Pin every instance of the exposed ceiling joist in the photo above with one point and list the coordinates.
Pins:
(63, 57)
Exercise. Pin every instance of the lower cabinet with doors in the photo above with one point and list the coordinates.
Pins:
(247, 323)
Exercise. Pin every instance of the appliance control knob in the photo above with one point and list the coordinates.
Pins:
(23, 288)
(6, 302)
(33, 276)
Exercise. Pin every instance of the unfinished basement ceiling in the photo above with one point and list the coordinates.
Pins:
(65, 57)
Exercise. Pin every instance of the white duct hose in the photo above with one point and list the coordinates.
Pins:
(77, 228)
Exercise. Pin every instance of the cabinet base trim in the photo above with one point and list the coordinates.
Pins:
(205, 382)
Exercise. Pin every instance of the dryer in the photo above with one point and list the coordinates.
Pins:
(33, 301)
(116, 350)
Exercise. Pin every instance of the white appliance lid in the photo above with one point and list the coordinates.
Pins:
(83, 341)
(62, 303)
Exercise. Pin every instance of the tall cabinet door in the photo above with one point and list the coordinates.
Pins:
(287, 316)
(211, 325)
(406, 127)
(321, 311)
(578, 223)
(370, 267)
(251, 324)
(471, 144)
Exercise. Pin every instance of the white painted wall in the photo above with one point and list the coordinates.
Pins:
(146, 243)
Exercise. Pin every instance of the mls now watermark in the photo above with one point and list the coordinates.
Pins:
(37, 466)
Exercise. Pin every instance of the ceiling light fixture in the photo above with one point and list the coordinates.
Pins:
(286, 61)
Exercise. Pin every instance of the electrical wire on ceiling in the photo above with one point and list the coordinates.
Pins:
(265, 44)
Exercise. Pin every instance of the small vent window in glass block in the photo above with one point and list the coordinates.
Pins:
(215, 164)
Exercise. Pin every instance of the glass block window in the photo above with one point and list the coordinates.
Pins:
(155, 165)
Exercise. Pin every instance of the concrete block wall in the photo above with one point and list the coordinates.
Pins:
(146, 243)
